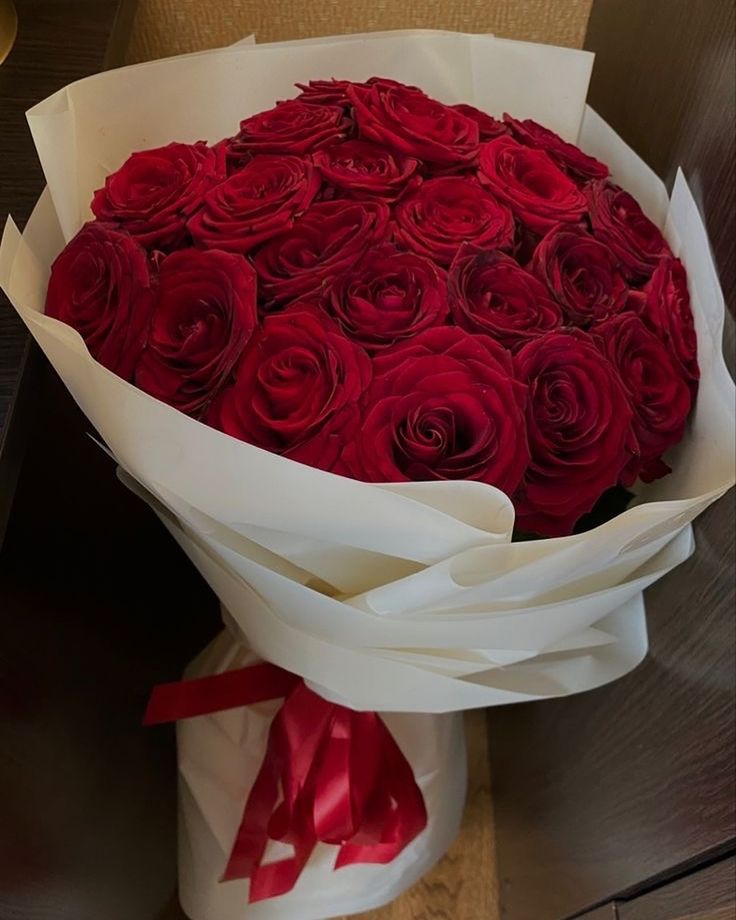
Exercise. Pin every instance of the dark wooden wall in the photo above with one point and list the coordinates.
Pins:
(601, 796)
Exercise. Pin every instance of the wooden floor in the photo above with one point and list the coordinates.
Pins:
(462, 886)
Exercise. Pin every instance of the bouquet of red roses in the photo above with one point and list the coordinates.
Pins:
(374, 283)
(355, 355)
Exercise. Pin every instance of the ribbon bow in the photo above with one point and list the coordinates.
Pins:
(340, 776)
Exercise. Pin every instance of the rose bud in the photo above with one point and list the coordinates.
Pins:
(358, 169)
(443, 405)
(256, 203)
(581, 273)
(488, 126)
(444, 213)
(388, 296)
(579, 422)
(665, 308)
(331, 236)
(619, 222)
(205, 313)
(405, 119)
(155, 192)
(568, 157)
(528, 181)
(291, 127)
(491, 293)
(101, 285)
(297, 388)
(325, 92)
(657, 391)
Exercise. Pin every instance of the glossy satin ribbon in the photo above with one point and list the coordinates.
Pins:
(329, 775)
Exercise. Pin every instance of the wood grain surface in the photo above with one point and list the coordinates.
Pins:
(609, 792)
(95, 34)
(709, 894)
(607, 912)
(167, 27)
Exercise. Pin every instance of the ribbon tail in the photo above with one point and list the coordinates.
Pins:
(280, 877)
(396, 806)
(252, 837)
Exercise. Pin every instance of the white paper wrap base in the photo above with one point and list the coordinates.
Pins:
(219, 758)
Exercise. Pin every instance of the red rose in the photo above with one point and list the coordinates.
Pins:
(254, 204)
(488, 126)
(567, 156)
(538, 193)
(362, 170)
(443, 405)
(666, 310)
(324, 92)
(491, 293)
(387, 82)
(443, 213)
(335, 92)
(581, 273)
(579, 424)
(297, 388)
(155, 192)
(101, 285)
(405, 119)
(388, 296)
(291, 127)
(620, 223)
(204, 315)
(331, 236)
(658, 395)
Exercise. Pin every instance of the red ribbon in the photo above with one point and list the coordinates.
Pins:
(329, 775)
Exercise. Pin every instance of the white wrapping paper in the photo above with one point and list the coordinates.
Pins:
(409, 596)
(403, 598)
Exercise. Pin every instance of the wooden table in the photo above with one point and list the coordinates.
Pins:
(58, 41)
